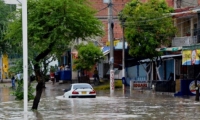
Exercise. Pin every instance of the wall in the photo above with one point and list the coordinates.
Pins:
(136, 71)
(170, 67)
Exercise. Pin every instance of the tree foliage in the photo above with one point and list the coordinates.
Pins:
(19, 93)
(88, 56)
(52, 25)
(147, 26)
(5, 13)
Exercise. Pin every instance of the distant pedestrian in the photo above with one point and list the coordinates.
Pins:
(13, 81)
(96, 75)
(52, 77)
(62, 67)
(19, 76)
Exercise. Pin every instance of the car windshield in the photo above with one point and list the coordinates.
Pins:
(83, 86)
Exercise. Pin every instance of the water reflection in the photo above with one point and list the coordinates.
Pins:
(5, 94)
(38, 115)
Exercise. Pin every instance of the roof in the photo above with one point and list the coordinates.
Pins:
(169, 49)
(162, 57)
(106, 50)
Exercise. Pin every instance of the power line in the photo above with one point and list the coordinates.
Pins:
(103, 8)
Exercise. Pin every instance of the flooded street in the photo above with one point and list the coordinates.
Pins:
(136, 106)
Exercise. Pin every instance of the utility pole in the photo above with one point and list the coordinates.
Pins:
(110, 32)
(25, 55)
(123, 60)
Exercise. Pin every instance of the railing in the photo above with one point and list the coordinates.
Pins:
(165, 86)
(184, 41)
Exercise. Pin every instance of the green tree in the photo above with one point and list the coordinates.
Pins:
(4, 17)
(88, 56)
(147, 26)
(52, 25)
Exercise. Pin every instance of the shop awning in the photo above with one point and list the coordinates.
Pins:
(119, 46)
(162, 57)
(169, 49)
(105, 50)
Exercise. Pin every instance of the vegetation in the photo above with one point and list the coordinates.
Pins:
(88, 56)
(5, 15)
(52, 25)
(19, 94)
(147, 27)
(106, 85)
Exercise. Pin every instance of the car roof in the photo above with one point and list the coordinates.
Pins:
(80, 84)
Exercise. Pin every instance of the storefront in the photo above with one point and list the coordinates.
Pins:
(191, 69)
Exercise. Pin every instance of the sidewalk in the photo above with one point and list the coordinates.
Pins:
(5, 81)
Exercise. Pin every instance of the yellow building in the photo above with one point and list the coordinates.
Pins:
(5, 66)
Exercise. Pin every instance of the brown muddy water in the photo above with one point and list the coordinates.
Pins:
(138, 105)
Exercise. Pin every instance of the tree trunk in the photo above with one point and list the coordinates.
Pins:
(158, 73)
(39, 77)
(39, 89)
(158, 65)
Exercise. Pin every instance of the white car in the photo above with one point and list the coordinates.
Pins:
(80, 90)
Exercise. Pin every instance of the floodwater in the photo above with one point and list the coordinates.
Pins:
(137, 105)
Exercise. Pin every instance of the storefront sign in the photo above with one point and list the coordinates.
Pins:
(190, 57)
(140, 84)
(192, 86)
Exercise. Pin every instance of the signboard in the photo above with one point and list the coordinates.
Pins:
(192, 86)
(187, 87)
(5, 66)
(190, 57)
(140, 84)
(115, 42)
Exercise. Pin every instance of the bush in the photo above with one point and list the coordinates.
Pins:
(19, 94)
(106, 85)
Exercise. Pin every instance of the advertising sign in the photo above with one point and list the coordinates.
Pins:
(187, 87)
(190, 57)
(192, 86)
(140, 84)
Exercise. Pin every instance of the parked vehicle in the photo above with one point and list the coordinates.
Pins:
(80, 90)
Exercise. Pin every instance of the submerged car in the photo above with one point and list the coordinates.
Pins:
(80, 90)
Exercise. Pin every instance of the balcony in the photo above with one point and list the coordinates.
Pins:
(184, 41)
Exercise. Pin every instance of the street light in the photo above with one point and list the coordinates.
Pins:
(25, 55)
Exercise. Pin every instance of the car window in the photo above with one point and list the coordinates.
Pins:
(82, 86)
(68, 89)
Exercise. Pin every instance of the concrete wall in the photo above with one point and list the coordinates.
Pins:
(136, 71)
(170, 67)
